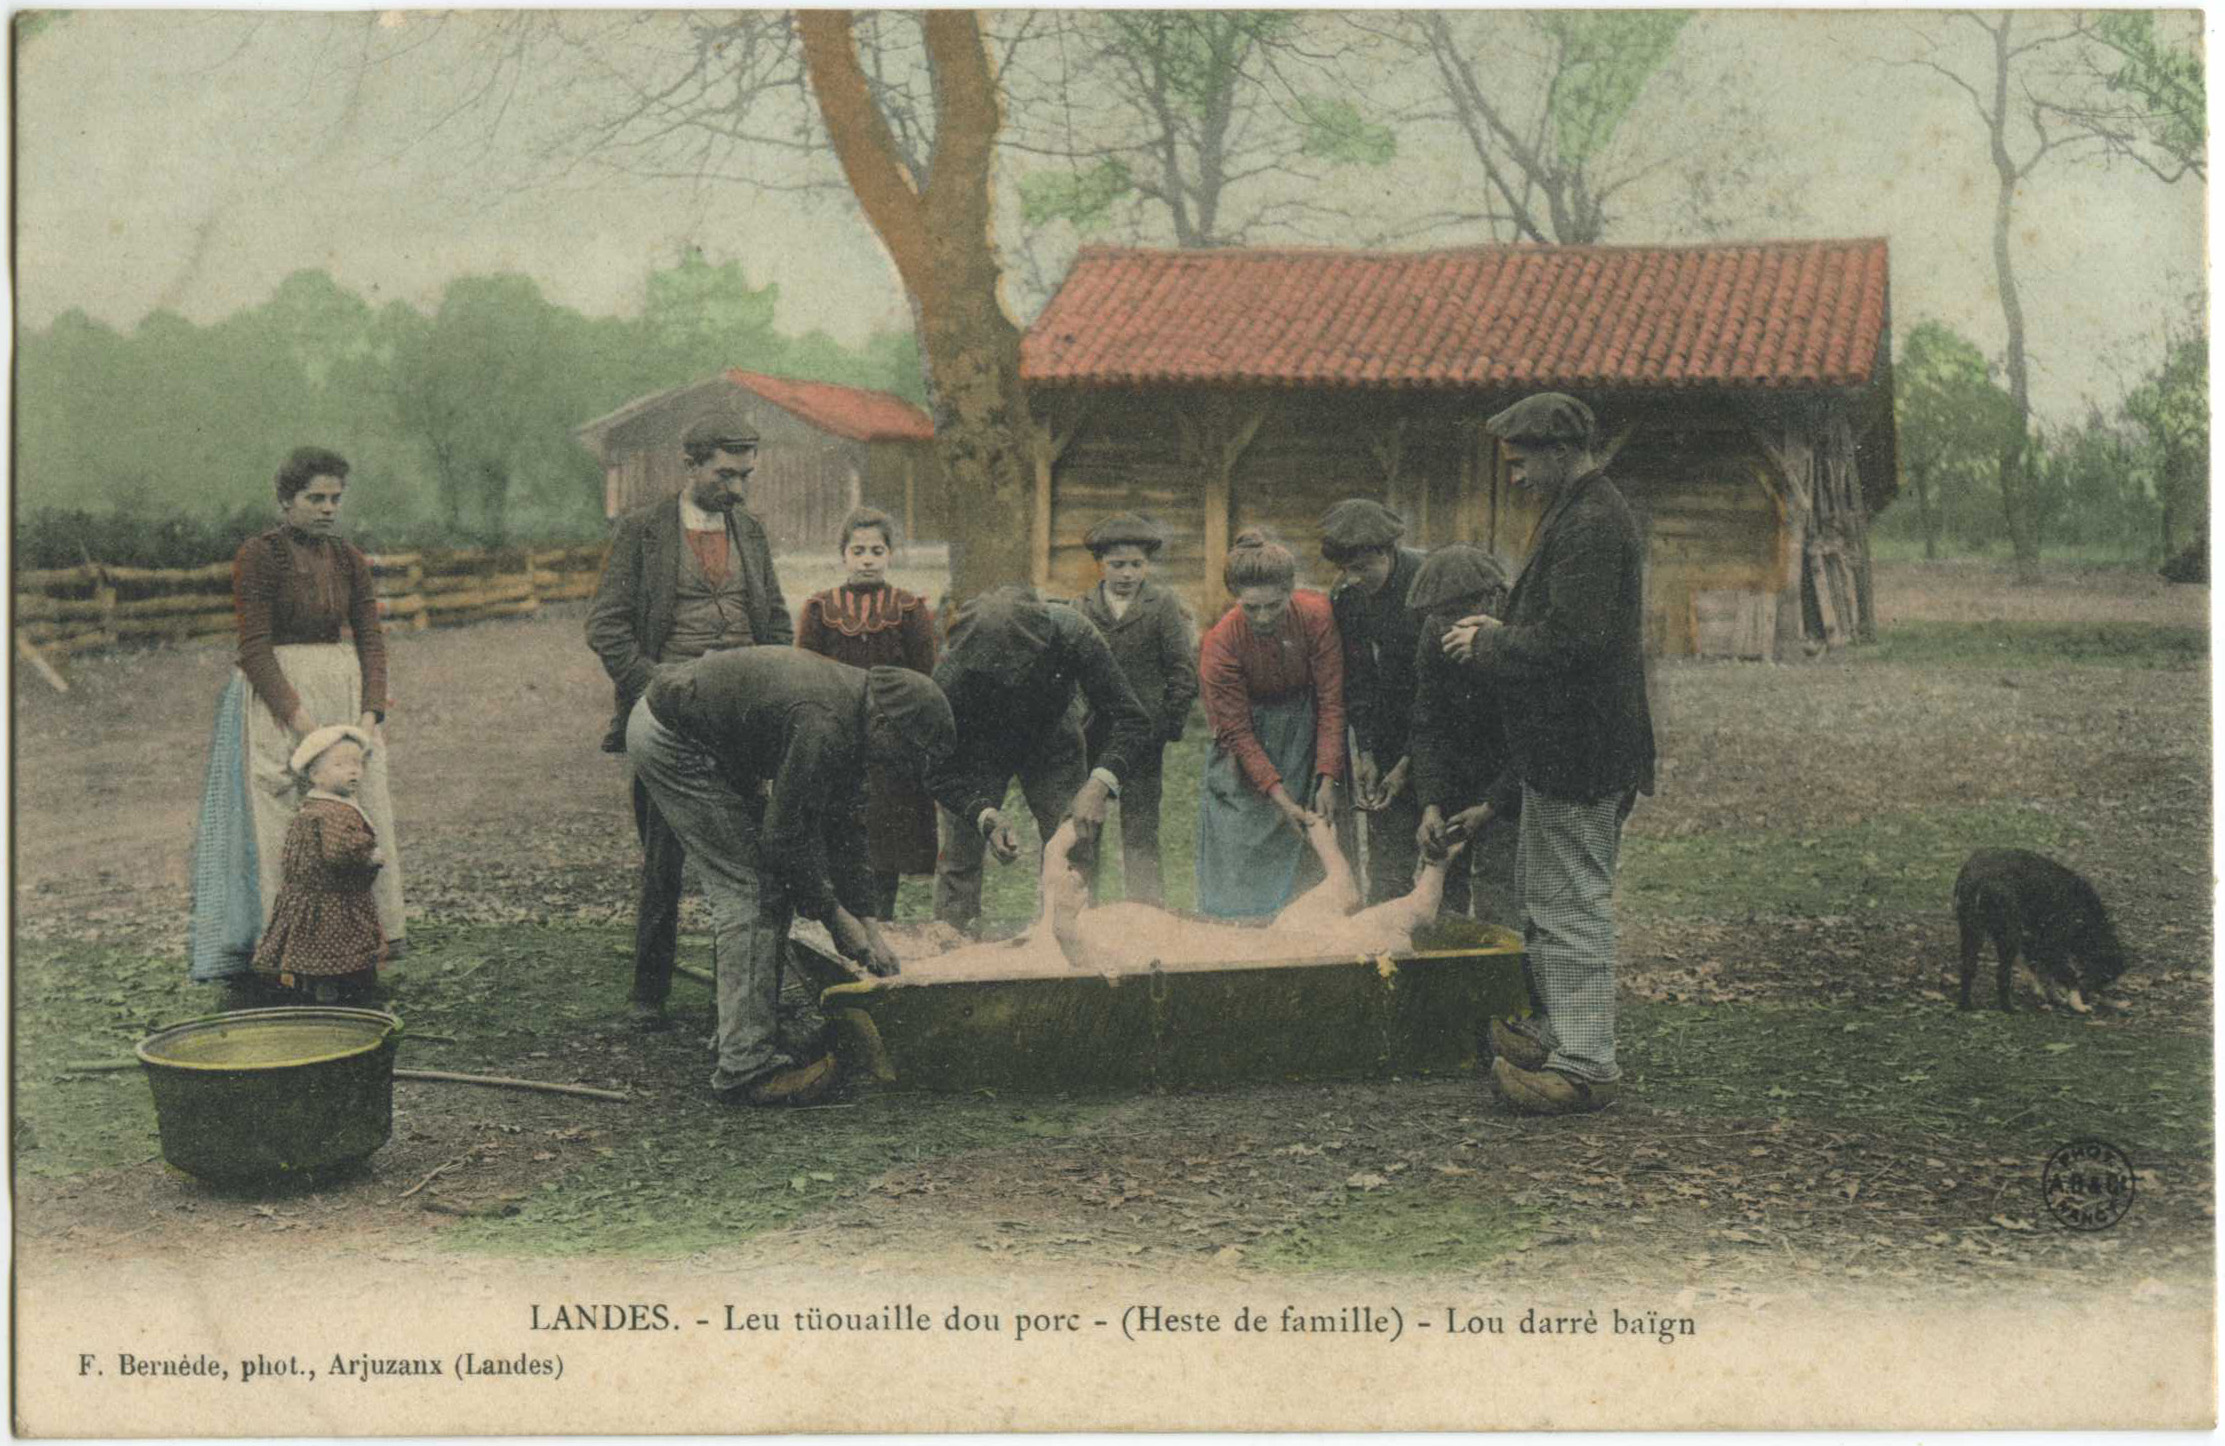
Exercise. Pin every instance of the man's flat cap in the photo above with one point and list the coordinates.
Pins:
(1454, 573)
(1546, 417)
(1128, 529)
(1359, 522)
(727, 426)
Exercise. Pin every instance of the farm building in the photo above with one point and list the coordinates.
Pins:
(827, 449)
(1744, 393)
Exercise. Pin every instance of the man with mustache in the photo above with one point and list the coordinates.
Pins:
(686, 576)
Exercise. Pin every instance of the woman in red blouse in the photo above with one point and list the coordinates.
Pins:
(1272, 677)
(869, 624)
(294, 588)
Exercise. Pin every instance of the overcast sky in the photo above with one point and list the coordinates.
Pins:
(193, 160)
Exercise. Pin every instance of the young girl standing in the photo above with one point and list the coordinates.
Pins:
(868, 623)
(324, 938)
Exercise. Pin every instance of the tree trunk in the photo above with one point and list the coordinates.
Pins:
(1925, 517)
(2018, 505)
(981, 426)
(938, 231)
(2170, 499)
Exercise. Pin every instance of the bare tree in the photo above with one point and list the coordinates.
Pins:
(2039, 85)
(1205, 127)
(1541, 102)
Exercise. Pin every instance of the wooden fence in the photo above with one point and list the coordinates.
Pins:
(64, 611)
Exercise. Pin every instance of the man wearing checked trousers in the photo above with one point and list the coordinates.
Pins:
(1570, 660)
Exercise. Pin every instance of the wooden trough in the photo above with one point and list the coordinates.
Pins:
(1417, 1013)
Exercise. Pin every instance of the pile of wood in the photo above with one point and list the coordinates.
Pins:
(63, 611)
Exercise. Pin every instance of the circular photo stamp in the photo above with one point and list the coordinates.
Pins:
(2087, 1184)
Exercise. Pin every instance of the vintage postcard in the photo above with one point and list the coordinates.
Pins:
(1029, 720)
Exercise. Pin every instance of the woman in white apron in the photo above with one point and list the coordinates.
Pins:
(294, 589)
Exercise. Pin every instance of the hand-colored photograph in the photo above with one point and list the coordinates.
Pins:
(1084, 720)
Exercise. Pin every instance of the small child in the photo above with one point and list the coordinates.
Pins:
(324, 938)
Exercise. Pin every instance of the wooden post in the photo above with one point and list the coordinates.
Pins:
(1216, 442)
(911, 491)
(1049, 442)
(1039, 552)
(1792, 456)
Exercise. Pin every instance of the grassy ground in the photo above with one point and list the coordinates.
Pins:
(1802, 1098)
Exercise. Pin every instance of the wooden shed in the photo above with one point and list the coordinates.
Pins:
(827, 449)
(1743, 391)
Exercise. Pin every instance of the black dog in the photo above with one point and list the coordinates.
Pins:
(2038, 913)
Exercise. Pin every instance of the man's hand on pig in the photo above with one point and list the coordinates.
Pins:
(1430, 837)
(1364, 781)
(1089, 807)
(1470, 821)
(1004, 842)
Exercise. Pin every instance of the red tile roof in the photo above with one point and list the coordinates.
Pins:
(1775, 314)
(853, 412)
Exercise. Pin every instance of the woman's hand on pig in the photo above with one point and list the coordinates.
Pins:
(1292, 814)
(1327, 797)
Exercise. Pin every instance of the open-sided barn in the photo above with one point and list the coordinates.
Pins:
(827, 449)
(1744, 392)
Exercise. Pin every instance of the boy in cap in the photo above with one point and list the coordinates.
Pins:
(686, 576)
(1572, 651)
(758, 758)
(1458, 743)
(1155, 644)
(1360, 538)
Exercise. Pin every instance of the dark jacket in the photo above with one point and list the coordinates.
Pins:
(1379, 634)
(631, 616)
(797, 721)
(1156, 647)
(1012, 669)
(1569, 666)
(1458, 743)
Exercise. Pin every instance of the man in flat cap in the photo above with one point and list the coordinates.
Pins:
(685, 577)
(1569, 665)
(757, 758)
(1155, 644)
(1015, 666)
(1360, 539)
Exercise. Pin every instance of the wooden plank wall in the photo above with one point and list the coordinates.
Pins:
(1126, 457)
(1713, 563)
(1714, 535)
(805, 483)
(919, 502)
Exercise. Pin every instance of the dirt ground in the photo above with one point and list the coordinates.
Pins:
(510, 816)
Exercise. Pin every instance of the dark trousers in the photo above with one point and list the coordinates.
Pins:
(1050, 776)
(657, 914)
(885, 884)
(1139, 832)
(1482, 882)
